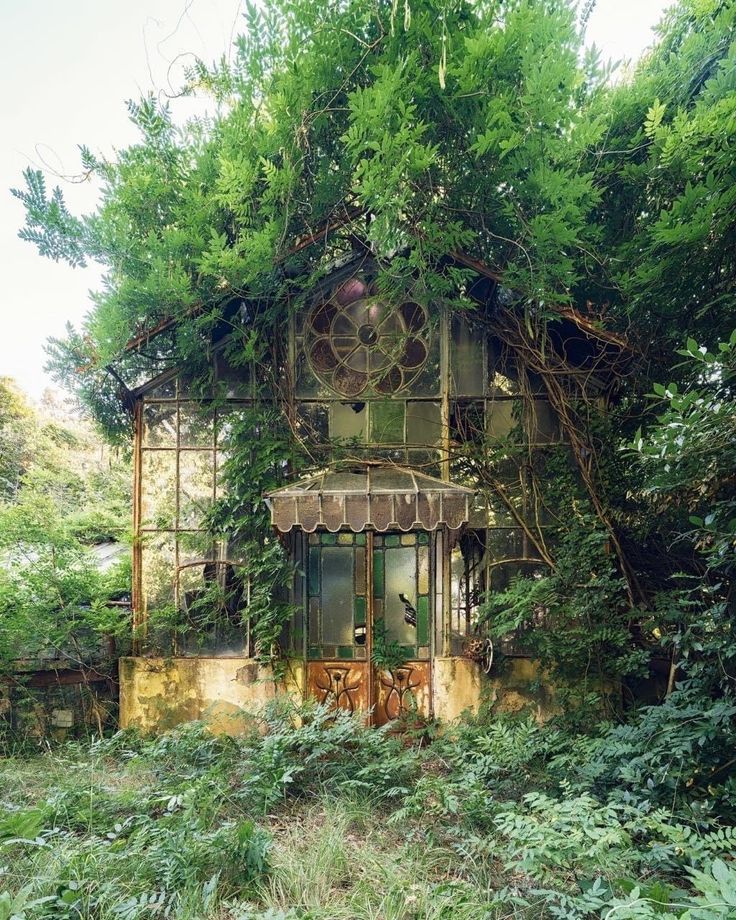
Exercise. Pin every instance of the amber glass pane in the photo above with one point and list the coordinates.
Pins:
(400, 578)
(158, 489)
(337, 595)
(159, 425)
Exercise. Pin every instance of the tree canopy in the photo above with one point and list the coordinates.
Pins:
(428, 127)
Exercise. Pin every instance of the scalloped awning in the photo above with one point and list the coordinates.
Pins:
(379, 497)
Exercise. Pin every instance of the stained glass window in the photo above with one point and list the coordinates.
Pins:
(356, 344)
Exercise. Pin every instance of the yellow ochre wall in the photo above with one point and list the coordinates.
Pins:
(158, 693)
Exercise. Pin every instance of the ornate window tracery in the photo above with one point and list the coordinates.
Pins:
(358, 345)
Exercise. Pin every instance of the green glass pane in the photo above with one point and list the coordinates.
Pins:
(378, 574)
(360, 539)
(313, 652)
(360, 572)
(313, 620)
(313, 570)
(345, 651)
(422, 620)
(423, 423)
(393, 539)
(337, 595)
(423, 537)
(328, 539)
(360, 611)
(408, 651)
(387, 422)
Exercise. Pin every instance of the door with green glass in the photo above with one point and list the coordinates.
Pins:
(369, 622)
(401, 619)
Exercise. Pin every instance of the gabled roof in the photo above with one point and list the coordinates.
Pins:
(584, 324)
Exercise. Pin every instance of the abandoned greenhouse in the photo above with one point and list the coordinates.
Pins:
(395, 529)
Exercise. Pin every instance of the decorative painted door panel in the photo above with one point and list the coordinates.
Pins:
(369, 604)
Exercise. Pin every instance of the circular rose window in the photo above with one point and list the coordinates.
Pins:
(354, 342)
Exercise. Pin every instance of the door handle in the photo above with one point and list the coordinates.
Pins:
(410, 613)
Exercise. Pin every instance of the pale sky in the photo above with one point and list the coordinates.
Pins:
(66, 69)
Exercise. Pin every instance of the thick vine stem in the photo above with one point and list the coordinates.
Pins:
(567, 388)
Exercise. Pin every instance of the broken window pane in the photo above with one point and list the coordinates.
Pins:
(467, 422)
(348, 421)
(400, 579)
(233, 380)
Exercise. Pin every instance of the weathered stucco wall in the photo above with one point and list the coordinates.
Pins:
(515, 685)
(457, 687)
(158, 693)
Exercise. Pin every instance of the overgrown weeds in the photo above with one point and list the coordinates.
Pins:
(312, 815)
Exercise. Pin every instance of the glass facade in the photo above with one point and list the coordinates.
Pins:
(408, 383)
(181, 567)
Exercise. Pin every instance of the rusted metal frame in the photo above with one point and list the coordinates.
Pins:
(66, 677)
(305, 611)
(369, 613)
(445, 392)
(177, 474)
(446, 594)
(432, 547)
(137, 583)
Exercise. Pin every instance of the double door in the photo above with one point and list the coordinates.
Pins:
(369, 621)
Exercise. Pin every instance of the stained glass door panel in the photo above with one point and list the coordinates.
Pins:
(338, 667)
(401, 625)
(369, 622)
